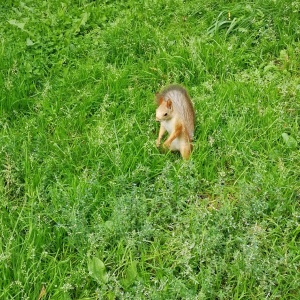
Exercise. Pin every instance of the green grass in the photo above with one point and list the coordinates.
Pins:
(90, 209)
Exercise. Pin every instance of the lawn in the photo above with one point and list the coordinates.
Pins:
(90, 208)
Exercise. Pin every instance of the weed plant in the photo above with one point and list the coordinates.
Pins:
(90, 208)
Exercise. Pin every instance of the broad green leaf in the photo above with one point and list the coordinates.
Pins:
(82, 22)
(97, 269)
(29, 42)
(289, 140)
(85, 17)
(130, 274)
(17, 24)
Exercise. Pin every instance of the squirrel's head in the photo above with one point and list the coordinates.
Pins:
(164, 110)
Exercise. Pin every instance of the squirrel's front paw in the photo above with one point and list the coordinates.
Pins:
(157, 143)
(166, 145)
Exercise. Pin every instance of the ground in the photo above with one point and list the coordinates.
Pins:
(90, 208)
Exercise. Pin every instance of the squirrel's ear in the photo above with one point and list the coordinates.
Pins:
(160, 101)
(169, 103)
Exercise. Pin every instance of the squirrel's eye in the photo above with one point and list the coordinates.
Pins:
(165, 114)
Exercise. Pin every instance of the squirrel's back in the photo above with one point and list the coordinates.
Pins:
(182, 105)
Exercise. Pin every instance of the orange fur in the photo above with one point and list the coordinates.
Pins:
(176, 114)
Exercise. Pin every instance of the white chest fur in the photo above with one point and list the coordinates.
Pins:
(169, 125)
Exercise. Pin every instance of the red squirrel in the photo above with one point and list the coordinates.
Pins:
(176, 115)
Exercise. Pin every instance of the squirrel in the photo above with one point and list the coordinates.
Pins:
(176, 115)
